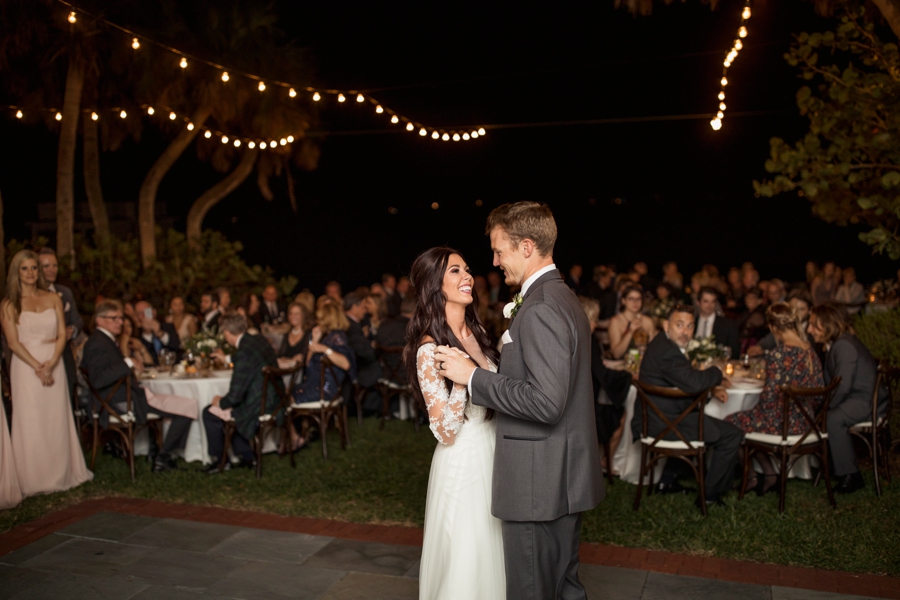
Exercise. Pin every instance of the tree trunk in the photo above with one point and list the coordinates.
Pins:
(65, 160)
(213, 195)
(92, 187)
(147, 194)
(2, 250)
(890, 10)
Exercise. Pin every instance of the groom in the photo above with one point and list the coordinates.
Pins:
(547, 463)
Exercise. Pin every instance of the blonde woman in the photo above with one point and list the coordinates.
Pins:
(45, 444)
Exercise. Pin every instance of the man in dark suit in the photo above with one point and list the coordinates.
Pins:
(574, 279)
(392, 298)
(252, 353)
(210, 312)
(74, 324)
(272, 309)
(708, 322)
(367, 368)
(105, 365)
(392, 332)
(665, 365)
(154, 335)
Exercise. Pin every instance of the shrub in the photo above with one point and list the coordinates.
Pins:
(880, 332)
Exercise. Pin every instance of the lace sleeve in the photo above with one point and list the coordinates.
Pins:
(445, 409)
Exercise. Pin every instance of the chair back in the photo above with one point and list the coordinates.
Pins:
(271, 375)
(671, 426)
(392, 370)
(105, 403)
(328, 366)
(888, 377)
(816, 425)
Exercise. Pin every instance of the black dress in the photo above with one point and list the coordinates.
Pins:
(288, 351)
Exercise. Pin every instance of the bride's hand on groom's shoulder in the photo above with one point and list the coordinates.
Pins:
(453, 364)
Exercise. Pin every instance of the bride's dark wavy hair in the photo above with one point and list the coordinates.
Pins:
(430, 318)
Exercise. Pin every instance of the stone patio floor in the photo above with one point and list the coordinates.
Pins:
(119, 548)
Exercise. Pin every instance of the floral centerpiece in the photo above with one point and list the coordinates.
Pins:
(203, 343)
(703, 350)
(659, 310)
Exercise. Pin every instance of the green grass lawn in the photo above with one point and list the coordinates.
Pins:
(383, 479)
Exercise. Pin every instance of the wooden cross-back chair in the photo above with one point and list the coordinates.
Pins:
(787, 449)
(876, 432)
(322, 411)
(692, 452)
(393, 383)
(122, 423)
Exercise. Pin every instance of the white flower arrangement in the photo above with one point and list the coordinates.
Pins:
(203, 343)
(701, 350)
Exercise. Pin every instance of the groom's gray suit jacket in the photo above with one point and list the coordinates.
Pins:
(547, 460)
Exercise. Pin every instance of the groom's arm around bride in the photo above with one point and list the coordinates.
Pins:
(546, 464)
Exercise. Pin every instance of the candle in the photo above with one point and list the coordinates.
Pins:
(729, 369)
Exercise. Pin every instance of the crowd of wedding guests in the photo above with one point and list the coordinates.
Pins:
(802, 329)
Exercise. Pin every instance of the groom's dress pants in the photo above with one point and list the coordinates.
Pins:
(542, 559)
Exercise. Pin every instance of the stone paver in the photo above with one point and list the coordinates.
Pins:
(144, 550)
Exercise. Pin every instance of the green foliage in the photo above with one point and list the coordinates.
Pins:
(880, 332)
(177, 271)
(848, 164)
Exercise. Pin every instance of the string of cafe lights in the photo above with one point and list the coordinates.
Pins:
(226, 74)
(742, 32)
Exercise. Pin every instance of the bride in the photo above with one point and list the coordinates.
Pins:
(462, 554)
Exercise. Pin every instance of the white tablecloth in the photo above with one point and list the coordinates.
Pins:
(202, 390)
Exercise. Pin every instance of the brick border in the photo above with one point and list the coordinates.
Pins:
(595, 554)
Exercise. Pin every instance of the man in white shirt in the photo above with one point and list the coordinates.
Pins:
(209, 311)
(709, 323)
(154, 335)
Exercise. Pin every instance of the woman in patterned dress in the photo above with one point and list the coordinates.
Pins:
(793, 363)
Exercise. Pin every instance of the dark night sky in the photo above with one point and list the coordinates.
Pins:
(686, 191)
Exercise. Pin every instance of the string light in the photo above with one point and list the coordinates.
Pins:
(474, 135)
(19, 114)
(123, 114)
(721, 106)
(410, 127)
(59, 116)
(207, 134)
(360, 98)
(72, 17)
(135, 43)
(395, 119)
(190, 126)
(738, 44)
(262, 145)
(290, 139)
(224, 139)
(465, 136)
(445, 137)
(341, 98)
(292, 93)
(262, 86)
(225, 76)
(481, 131)
(94, 116)
(172, 116)
(237, 143)
(435, 135)
(721, 95)
(720, 114)
(716, 123)
(724, 81)
(183, 63)
(456, 137)
(317, 97)
(150, 110)
(423, 132)
(742, 32)
(746, 14)
(378, 109)
(283, 141)
(251, 144)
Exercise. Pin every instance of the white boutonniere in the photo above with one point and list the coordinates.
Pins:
(510, 310)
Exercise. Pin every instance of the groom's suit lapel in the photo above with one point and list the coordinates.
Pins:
(548, 276)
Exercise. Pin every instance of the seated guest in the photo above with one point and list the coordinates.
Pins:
(404, 287)
(209, 311)
(224, 295)
(295, 342)
(249, 309)
(601, 289)
(185, 324)
(801, 303)
(242, 402)
(307, 300)
(156, 336)
(734, 297)
(105, 365)
(775, 292)
(793, 362)
(272, 310)
(823, 285)
(752, 324)
(333, 289)
(328, 339)
(368, 370)
(574, 279)
(392, 297)
(376, 311)
(708, 323)
(630, 329)
(644, 280)
(130, 345)
(392, 334)
(497, 289)
(672, 276)
(851, 292)
(665, 364)
(846, 357)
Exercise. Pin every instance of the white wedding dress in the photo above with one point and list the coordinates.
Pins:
(462, 554)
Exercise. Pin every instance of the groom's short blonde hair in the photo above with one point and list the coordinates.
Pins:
(525, 220)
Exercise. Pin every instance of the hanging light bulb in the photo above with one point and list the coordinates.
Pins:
(251, 144)
(190, 126)
(724, 81)
(183, 63)
(225, 76)
(19, 114)
(720, 114)
(135, 43)
(59, 116)
(172, 116)
(94, 116)
(481, 131)
(721, 95)
(465, 136)
(360, 98)
(746, 14)
(721, 106)
(72, 17)
(456, 137)
(317, 97)
(208, 134)
(283, 141)
(738, 44)
(290, 139)
(423, 132)
(262, 145)
(150, 110)
(292, 93)
(224, 139)
(378, 109)
(237, 143)
(410, 127)
(272, 144)
(435, 135)
(742, 32)
(716, 124)
(395, 119)
(726, 64)
(341, 98)
(445, 137)
(262, 86)
(123, 114)
(474, 134)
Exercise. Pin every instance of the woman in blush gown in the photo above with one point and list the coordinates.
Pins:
(462, 554)
(10, 492)
(45, 444)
